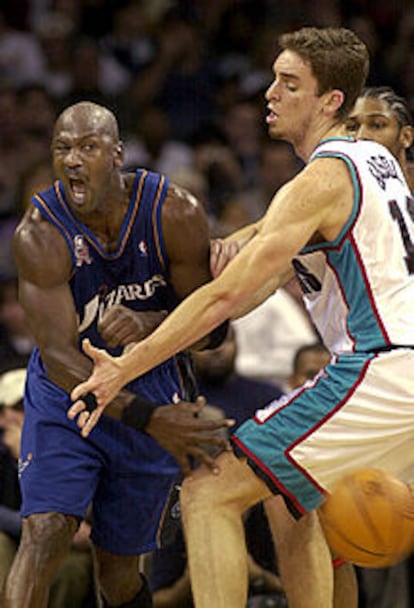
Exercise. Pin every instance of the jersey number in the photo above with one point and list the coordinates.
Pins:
(397, 215)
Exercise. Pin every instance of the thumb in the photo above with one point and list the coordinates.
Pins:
(96, 354)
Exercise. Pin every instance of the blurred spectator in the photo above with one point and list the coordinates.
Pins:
(11, 149)
(131, 41)
(56, 32)
(94, 76)
(214, 159)
(244, 131)
(269, 335)
(73, 583)
(181, 79)
(278, 164)
(36, 115)
(366, 28)
(37, 177)
(16, 341)
(151, 145)
(21, 60)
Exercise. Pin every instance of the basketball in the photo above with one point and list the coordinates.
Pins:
(369, 518)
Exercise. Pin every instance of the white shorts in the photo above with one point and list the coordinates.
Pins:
(358, 412)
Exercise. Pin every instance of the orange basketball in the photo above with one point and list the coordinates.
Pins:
(369, 518)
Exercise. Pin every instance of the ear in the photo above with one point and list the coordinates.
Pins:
(333, 101)
(406, 136)
(119, 154)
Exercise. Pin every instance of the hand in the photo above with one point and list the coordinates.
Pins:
(121, 326)
(221, 252)
(178, 431)
(105, 383)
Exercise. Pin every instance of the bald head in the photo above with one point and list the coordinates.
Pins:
(88, 116)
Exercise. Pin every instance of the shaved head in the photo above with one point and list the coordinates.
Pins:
(88, 116)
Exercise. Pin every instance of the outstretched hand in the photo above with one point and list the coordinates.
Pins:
(105, 382)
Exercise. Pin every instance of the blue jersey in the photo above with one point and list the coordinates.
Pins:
(124, 473)
(135, 275)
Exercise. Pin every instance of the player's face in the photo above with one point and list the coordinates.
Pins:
(373, 119)
(84, 161)
(292, 98)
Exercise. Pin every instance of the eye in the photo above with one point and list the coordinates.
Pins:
(61, 149)
(90, 147)
(378, 125)
(352, 127)
(291, 87)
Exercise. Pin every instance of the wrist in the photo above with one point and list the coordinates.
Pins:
(138, 413)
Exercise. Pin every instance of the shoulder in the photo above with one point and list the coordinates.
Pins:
(182, 208)
(37, 246)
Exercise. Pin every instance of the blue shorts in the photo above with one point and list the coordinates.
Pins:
(124, 474)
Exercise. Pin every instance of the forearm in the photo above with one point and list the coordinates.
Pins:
(244, 234)
(193, 319)
(262, 294)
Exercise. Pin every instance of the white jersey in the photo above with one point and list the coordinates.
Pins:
(359, 289)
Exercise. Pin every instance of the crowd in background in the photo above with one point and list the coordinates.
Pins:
(186, 80)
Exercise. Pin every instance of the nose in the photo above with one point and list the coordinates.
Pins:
(272, 91)
(73, 158)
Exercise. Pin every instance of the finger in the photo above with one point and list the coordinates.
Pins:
(184, 464)
(91, 422)
(94, 353)
(215, 249)
(82, 419)
(75, 409)
(211, 425)
(82, 389)
(212, 440)
(208, 460)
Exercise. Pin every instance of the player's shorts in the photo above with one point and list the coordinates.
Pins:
(358, 412)
(126, 474)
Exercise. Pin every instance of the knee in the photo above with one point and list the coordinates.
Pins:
(198, 497)
(46, 539)
(118, 576)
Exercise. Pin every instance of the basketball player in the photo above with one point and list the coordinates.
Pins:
(344, 224)
(97, 248)
(383, 116)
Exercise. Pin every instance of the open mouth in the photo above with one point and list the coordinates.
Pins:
(271, 117)
(78, 190)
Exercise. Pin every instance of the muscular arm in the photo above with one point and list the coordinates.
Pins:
(44, 267)
(187, 241)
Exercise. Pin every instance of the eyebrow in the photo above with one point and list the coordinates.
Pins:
(287, 75)
(370, 115)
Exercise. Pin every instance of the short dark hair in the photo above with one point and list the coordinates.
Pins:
(314, 347)
(398, 105)
(338, 59)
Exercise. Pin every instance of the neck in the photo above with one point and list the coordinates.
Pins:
(315, 134)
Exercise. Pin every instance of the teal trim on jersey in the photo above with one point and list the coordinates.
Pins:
(268, 445)
(355, 204)
(362, 321)
(335, 138)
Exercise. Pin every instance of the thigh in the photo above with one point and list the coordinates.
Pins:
(133, 490)
(58, 470)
